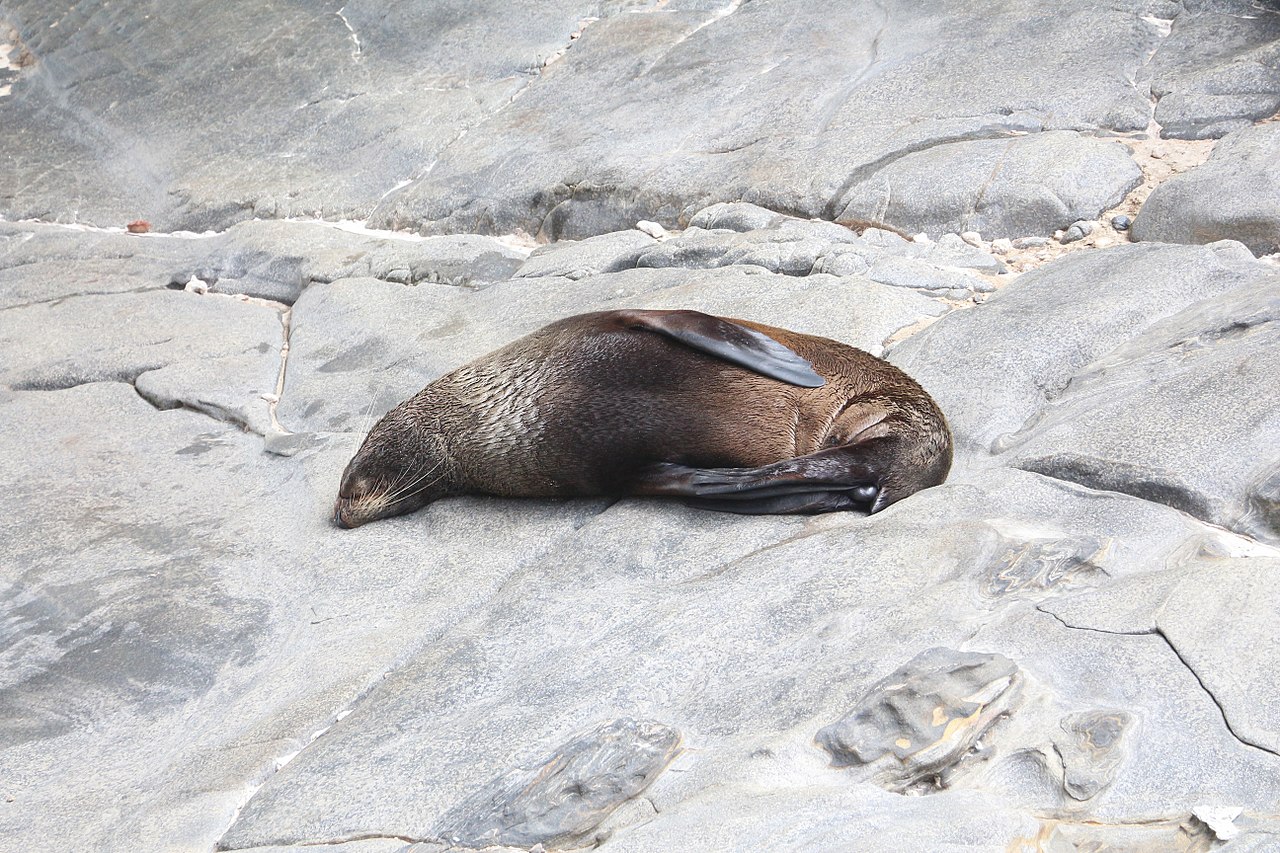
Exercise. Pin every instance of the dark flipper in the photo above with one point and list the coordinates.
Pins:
(797, 504)
(833, 479)
(729, 341)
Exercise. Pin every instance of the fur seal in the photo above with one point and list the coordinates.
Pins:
(729, 414)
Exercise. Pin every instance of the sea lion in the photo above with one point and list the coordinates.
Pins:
(731, 415)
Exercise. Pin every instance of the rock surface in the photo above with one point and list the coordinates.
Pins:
(1235, 195)
(1068, 646)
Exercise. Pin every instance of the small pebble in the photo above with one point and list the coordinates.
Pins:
(1030, 242)
(973, 238)
(1077, 231)
(139, 226)
(195, 285)
(653, 229)
(1121, 222)
(1002, 246)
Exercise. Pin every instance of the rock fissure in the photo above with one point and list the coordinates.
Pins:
(1157, 632)
(358, 53)
(1226, 720)
(54, 300)
(1067, 624)
(273, 404)
(832, 210)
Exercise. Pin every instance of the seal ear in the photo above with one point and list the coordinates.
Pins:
(728, 341)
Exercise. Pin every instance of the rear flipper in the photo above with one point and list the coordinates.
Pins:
(801, 503)
(828, 480)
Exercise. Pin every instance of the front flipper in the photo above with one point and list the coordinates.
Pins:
(729, 341)
(825, 481)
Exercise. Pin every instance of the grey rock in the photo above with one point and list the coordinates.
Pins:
(278, 260)
(735, 216)
(210, 353)
(1234, 195)
(904, 272)
(1002, 187)
(114, 118)
(800, 127)
(269, 260)
(1218, 70)
(45, 263)
(805, 611)
(565, 797)
(1031, 242)
(1121, 222)
(1175, 415)
(951, 251)
(925, 717)
(1021, 348)
(1091, 746)
(1078, 231)
(1222, 621)
(617, 250)
(1030, 564)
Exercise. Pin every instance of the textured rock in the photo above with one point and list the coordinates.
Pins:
(210, 353)
(925, 717)
(1091, 746)
(1177, 414)
(618, 250)
(320, 112)
(1218, 69)
(567, 796)
(1076, 650)
(1019, 350)
(1235, 195)
(1222, 622)
(1030, 184)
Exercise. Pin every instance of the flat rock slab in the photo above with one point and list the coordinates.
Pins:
(1138, 369)
(267, 260)
(1010, 187)
(807, 624)
(1182, 414)
(187, 620)
(1218, 70)
(580, 117)
(1233, 196)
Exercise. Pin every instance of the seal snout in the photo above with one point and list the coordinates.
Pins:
(340, 518)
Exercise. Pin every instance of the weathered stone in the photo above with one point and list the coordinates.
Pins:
(1078, 231)
(924, 718)
(113, 119)
(648, 145)
(209, 353)
(1175, 415)
(193, 657)
(1235, 196)
(617, 250)
(1019, 350)
(1218, 70)
(1002, 187)
(1224, 622)
(565, 797)
(1090, 745)
(278, 260)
